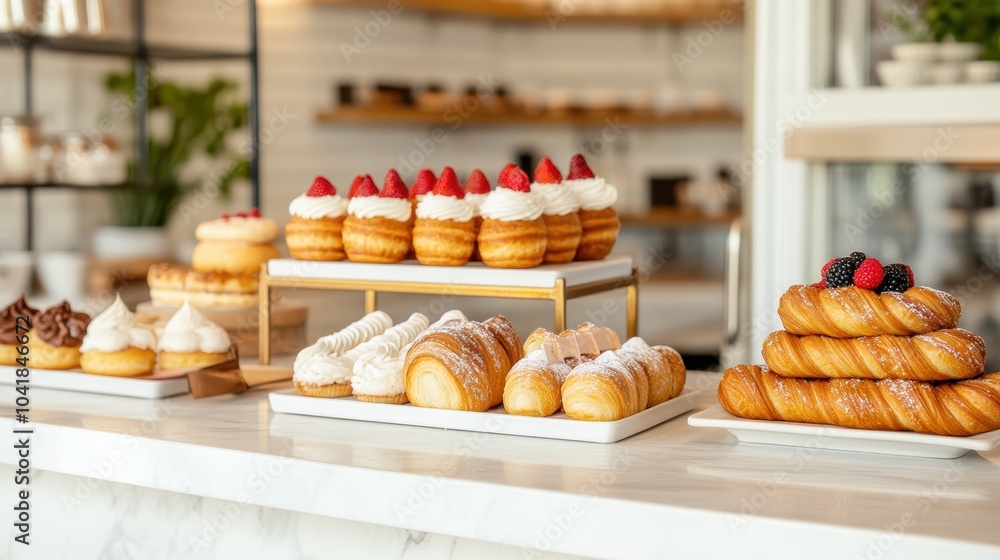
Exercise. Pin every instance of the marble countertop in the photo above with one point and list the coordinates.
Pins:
(674, 489)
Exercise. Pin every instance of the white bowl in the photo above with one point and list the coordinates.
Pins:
(894, 73)
(915, 52)
(958, 52)
(63, 274)
(946, 73)
(15, 274)
(982, 71)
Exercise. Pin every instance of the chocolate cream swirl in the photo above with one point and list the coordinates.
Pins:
(8, 320)
(60, 326)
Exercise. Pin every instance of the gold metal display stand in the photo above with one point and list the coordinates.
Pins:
(558, 294)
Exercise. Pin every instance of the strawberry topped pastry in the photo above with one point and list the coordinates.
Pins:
(477, 188)
(236, 244)
(377, 228)
(560, 211)
(513, 233)
(598, 217)
(356, 184)
(444, 233)
(424, 184)
(316, 228)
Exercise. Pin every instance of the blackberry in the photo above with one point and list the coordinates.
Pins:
(859, 256)
(897, 279)
(841, 272)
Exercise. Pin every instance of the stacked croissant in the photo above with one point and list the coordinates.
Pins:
(520, 224)
(865, 348)
(591, 375)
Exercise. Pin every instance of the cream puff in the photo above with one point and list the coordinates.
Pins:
(116, 345)
(598, 217)
(56, 337)
(513, 233)
(444, 233)
(314, 232)
(189, 340)
(377, 228)
(15, 314)
(560, 210)
(477, 188)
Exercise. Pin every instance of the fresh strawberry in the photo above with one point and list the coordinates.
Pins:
(394, 187)
(514, 179)
(241, 214)
(869, 274)
(821, 285)
(224, 217)
(366, 187)
(447, 184)
(826, 268)
(353, 191)
(547, 173)
(578, 168)
(424, 183)
(321, 187)
(255, 212)
(477, 183)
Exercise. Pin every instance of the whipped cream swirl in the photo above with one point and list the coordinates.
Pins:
(398, 209)
(116, 330)
(340, 369)
(314, 364)
(556, 200)
(190, 331)
(593, 194)
(507, 205)
(441, 207)
(318, 207)
(476, 200)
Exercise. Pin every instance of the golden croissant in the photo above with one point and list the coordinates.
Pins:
(960, 408)
(948, 354)
(461, 365)
(663, 366)
(851, 312)
(612, 387)
(534, 386)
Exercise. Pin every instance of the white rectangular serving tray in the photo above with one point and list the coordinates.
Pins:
(494, 421)
(824, 436)
(472, 274)
(71, 380)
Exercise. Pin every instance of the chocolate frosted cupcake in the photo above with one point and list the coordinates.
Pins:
(8, 329)
(56, 337)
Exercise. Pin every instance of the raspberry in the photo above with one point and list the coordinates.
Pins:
(897, 278)
(578, 168)
(424, 183)
(366, 187)
(869, 274)
(447, 184)
(321, 187)
(394, 187)
(820, 285)
(477, 183)
(547, 173)
(515, 179)
(826, 268)
(909, 275)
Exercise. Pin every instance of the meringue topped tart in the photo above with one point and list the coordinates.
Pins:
(117, 345)
(190, 340)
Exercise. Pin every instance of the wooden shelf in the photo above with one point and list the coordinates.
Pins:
(115, 47)
(412, 116)
(522, 12)
(675, 218)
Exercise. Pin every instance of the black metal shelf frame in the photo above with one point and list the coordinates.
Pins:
(143, 53)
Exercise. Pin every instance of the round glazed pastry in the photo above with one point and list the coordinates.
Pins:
(477, 188)
(444, 233)
(237, 244)
(598, 218)
(116, 345)
(190, 340)
(56, 337)
(560, 211)
(513, 233)
(377, 228)
(9, 331)
(314, 232)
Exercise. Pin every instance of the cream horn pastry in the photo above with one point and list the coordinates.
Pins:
(378, 375)
(315, 371)
(598, 217)
(560, 211)
(117, 345)
(190, 340)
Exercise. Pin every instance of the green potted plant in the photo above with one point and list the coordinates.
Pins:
(200, 121)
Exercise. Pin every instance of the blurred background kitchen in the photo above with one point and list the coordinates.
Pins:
(659, 94)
